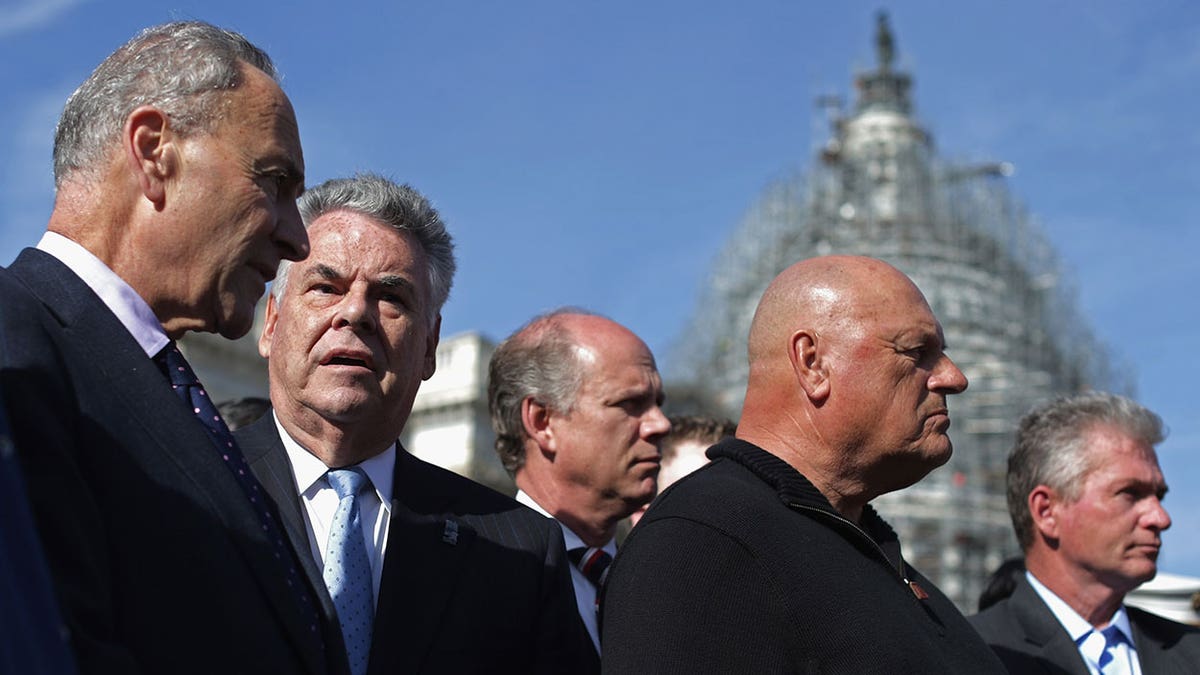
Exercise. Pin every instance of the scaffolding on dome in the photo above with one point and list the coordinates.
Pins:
(1006, 304)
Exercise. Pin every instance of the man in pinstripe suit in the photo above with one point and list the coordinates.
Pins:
(463, 579)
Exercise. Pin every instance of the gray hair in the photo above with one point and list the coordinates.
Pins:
(397, 206)
(539, 360)
(1051, 447)
(185, 69)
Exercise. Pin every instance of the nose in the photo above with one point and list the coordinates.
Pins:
(1157, 517)
(655, 424)
(947, 377)
(291, 238)
(354, 311)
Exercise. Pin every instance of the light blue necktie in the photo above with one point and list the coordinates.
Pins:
(348, 569)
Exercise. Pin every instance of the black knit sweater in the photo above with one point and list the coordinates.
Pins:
(744, 567)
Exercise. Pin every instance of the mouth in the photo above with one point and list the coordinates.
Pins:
(1149, 549)
(350, 358)
(655, 461)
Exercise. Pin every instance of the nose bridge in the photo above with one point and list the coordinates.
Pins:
(354, 308)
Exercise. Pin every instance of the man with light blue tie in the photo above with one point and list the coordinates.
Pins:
(1085, 495)
(426, 571)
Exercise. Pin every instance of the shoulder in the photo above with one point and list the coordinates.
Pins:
(996, 621)
(430, 489)
(1165, 631)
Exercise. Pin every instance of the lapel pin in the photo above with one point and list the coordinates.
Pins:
(450, 534)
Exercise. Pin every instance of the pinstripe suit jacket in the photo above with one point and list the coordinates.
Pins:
(473, 582)
(1028, 638)
(158, 559)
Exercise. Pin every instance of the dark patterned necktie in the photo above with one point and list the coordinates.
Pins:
(593, 562)
(1113, 637)
(189, 390)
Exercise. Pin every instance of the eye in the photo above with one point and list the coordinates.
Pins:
(281, 184)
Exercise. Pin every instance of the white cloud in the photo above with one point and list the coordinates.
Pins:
(31, 14)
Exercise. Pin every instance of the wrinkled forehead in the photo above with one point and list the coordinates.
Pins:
(355, 241)
(259, 107)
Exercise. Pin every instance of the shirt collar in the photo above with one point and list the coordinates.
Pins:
(1077, 626)
(571, 539)
(309, 470)
(118, 296)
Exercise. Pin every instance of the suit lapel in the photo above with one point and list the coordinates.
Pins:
(426, 550)
(1048, 640)
(268, 460)
(142, 396)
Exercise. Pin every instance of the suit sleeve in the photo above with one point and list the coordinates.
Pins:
(50, 434)
(685, 598)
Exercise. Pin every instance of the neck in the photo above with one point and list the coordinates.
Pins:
(122, 238)
(596, 527)
(1091, 599)
(335, 445)
(845, 495)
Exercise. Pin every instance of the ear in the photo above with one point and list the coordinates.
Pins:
(149, 146)
(1043, 504)
(268, 331)
(808, 366)
(535, 417)
(431, 343)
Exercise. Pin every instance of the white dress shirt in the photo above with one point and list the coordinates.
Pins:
(321, 502)
(585, 591)
(1077, 627)
(118, 296)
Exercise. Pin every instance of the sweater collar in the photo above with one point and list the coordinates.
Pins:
(794, 489)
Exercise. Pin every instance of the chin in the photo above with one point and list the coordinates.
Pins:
(940, 452)
(235, 326)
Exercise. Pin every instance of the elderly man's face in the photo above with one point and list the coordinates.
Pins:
(236, 205)
(609, 442)
(1112, 531)
(350, 338)
(891, 379)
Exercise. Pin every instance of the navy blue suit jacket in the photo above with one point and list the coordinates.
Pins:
(159, 561)
(32, 635)
(473, 582)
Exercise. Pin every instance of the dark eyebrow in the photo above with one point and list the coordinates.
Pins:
(325, 272)
(394, 281)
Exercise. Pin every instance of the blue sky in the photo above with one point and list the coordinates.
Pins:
(600, 153)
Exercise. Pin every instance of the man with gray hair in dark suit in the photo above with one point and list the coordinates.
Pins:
(426, 571)
(1085, 494)
(177, 164)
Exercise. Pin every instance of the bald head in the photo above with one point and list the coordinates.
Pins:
(826, 294)
(848, 378)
